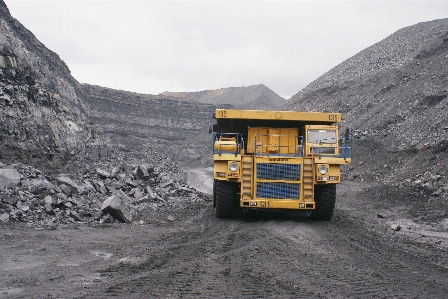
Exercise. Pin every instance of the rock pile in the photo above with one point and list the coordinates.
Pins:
(394, 96)
(102, 195)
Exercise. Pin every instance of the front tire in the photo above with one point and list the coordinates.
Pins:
(226, 197)
(325, 198)
(214, 193)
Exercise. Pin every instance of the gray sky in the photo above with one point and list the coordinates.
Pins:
(155, 46)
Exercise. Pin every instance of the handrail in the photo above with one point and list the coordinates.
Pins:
(344, 148)
(295, 150)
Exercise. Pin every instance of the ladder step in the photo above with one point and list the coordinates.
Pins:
(247, 174)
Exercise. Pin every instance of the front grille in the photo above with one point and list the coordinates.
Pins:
(270, 171)
(278, 190)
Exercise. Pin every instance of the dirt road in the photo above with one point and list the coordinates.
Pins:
(183, 251)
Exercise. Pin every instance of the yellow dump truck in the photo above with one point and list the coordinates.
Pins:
(277, 160)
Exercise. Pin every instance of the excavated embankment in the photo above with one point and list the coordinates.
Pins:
(394, 95)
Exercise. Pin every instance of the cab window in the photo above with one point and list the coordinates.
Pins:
(322, 136)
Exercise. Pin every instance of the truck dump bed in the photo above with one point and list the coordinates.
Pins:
(309, 117)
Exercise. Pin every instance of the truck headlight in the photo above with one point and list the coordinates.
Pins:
(233, 166)
(323, 169)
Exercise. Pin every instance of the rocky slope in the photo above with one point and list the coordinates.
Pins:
(179, 129)
(52, 127)
(47, 117)
(394, 95)
(247, 97)
(42, 116)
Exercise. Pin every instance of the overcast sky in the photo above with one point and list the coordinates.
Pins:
(155, 46)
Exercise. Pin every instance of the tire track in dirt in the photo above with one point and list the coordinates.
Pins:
(270, 257)
(259, 255)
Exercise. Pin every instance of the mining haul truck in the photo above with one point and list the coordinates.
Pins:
(277, 160)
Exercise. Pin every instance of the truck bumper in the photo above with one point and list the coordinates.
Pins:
(278, 204)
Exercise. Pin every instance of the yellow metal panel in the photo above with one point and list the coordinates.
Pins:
(272, 140)
(278, 115)
(277, 204)
(333, 174)
(221, 167)
(254, 144)
(218, 168)
(292, 160)
(226, 157)
(330, 160)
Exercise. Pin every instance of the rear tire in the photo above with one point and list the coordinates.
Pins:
(325, 198)
(226, 197)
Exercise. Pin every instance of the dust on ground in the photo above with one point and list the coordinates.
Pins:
(183, 251)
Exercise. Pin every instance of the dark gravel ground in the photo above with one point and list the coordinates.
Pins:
(183, 251)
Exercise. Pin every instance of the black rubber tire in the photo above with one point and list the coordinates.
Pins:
(227, 201)
(325, 198)
(214, 193)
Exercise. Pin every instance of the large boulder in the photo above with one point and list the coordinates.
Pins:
(116, 207)
(9, 178)
(75, 188)
(36, 185)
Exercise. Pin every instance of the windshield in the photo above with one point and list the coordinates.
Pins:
(322, 136)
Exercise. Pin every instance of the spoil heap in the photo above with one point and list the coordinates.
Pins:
(394, 96)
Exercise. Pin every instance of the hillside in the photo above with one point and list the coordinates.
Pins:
(42, 115)
(394, 95)
(66, 148)
(47, 117)
(246, 97)
(177, 129)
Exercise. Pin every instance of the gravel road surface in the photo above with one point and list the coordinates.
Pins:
(185, 252)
